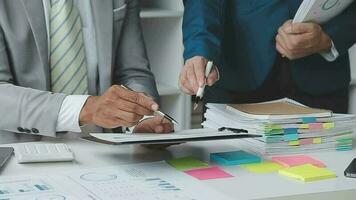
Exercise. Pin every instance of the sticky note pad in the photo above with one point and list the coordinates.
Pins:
(234, 158)
(308, 120)
(208, 173)
(290, 137)
(187, 163)
(329, 125)
(307, 173)
(317, 140)
(260, 168)
(306, 141)
(316, 126)
(294, 143)
(291, 161)
(304, 126)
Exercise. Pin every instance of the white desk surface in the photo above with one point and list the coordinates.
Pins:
(245, 185)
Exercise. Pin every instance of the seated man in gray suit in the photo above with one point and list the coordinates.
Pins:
(61, 64)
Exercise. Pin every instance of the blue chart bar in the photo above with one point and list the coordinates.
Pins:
(41, 187)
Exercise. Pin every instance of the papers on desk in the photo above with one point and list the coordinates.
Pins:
(180, 136)
(320, 11)
(286, 136)
(151, 181)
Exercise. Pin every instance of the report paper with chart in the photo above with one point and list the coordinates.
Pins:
(149, 181)
(320, 11)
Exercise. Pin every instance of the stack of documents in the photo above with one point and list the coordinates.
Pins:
(285, 126)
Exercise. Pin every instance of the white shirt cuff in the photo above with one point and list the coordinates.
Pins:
(331, 55)
(68, 118)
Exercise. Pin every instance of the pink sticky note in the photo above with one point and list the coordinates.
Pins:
(291, 161)
(316, 126)
(208, 173)
(306, 141)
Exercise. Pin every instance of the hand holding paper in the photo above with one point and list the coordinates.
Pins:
(298, 40)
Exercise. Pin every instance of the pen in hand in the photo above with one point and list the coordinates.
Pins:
(200, 93)
(157, 112)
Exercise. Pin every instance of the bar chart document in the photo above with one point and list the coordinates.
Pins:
(320, 11)
(151, 181)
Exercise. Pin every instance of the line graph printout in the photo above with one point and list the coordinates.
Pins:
(149, 181)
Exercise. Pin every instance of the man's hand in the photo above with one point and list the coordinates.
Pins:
(193, 75)
(298, 40)
(117, 107)
(154, 125)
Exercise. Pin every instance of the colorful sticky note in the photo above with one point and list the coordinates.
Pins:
(315, 126)
(291, 161)
(187, 163)
(234, 158)
(306, 141)
(328, 125)
(290, 131)
(208, 173)
(264, 167)
(307, 173)
(290, 137)
(294, 143)
(308, 120)
(304, 126)
(317, 140)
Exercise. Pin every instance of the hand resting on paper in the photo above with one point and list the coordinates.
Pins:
(298, 40)
(155, 125)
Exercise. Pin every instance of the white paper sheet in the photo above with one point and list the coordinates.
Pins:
(149, 181)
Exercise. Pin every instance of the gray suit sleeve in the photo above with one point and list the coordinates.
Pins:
(24, 108)
(132, 66)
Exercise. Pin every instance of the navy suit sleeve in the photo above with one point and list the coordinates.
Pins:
(342, 29)
(203, 26)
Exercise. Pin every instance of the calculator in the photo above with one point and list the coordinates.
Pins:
(39, 152)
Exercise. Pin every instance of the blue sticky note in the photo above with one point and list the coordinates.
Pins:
(291, 137)
(234, 158)
(290, 131)
(308, 120)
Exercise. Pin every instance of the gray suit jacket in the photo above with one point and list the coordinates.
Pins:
(28, 110)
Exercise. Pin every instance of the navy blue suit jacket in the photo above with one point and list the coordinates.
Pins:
(239, 36)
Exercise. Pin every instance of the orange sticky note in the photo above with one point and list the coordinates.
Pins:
(208, 173)
(291, 161)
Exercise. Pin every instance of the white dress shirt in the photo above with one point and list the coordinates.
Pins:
(68, 118)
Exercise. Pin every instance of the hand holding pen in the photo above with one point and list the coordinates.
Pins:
(193, 75)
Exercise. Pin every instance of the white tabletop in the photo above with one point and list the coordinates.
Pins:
(245, 185)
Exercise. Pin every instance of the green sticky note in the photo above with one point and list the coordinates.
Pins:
(307, 173)
(261, 168)
(187, 163)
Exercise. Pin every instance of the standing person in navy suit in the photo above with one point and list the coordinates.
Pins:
(261, 55)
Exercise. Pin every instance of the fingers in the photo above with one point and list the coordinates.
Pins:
(154, 125)
(213, 77)
(184, 83)
(193, 75)
(199, 69)
(192, 79)
(134, 97)
(301, 28)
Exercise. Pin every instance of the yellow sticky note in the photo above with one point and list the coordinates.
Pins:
(294, 143)
(261, 168)
(317, 140)
(307, 173)
(304, 126)
(328, 125)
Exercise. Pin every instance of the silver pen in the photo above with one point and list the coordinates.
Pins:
(200, 93)
(157, 112)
